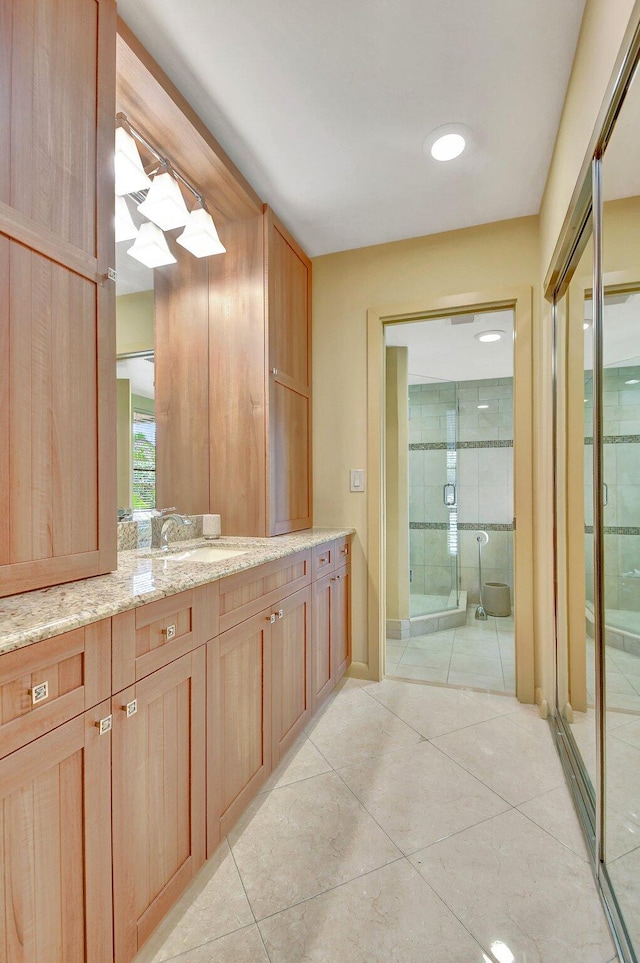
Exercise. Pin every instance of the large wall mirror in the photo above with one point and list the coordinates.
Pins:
(597, 391)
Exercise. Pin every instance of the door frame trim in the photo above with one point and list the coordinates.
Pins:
(520, 299)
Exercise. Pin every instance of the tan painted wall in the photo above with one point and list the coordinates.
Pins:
(134, 322)
(504, 254)
(603, 26)
(397, 475)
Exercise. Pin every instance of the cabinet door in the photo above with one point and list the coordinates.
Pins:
(57, 334)
(321, 669)
(55, 846)
(341, 623)
(288, 278)
(158, 796)
(238, 721)
(291, 668)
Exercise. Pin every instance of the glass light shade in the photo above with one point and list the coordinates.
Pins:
(125, 228)
(130, 175)
(164, 204)
(150, 247)
(200, 236)
(448, 147)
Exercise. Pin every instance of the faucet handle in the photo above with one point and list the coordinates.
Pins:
(165, 511)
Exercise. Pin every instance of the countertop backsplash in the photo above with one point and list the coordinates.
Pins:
(137, 534)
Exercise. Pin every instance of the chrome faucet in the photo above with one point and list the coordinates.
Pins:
(159, 527)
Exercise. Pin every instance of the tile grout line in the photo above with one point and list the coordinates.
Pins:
(180, 956)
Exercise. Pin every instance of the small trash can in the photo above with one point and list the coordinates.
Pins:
(496, 598)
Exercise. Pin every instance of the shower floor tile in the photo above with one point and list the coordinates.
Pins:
(480, 655)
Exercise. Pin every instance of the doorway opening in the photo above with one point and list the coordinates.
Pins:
(449, 496)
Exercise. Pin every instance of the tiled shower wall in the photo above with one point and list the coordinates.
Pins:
(621, 464)
(485, 483)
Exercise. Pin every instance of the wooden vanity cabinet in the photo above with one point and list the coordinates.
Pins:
(55, 846)
(238, 721)
(291, 671)
(57, 331)
(331, 653)
(158, 796)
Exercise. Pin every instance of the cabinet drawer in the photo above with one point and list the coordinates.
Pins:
(343, 550)
(323, 559)
(247, 593)
(50, 682)
(153, 635)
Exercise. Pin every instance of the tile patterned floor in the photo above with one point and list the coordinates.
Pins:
(410, 824)
(479, 654)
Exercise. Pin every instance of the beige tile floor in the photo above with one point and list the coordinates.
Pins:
(411, 823)
(479, 654)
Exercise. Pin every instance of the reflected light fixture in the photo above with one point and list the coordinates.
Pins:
(200, 236)
(164, 204)
(483, 406)
(633, 381)
(586, 325)
(489, 336)
(125, 228)
(150, 247)
(130, 174)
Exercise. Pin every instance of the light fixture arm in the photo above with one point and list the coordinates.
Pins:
(123, 121)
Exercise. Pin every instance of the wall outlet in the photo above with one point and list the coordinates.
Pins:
(357, 479)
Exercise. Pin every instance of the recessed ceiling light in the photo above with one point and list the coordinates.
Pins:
(483, 406)
(632, 381)
(448, 147)
(488, 336)
(447, 142)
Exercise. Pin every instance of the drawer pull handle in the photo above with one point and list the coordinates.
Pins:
(105, 725)
(336, 578)
(280, 613)
(169, 632)
(274, 371)
(345, 550)
(271, 618)
(323, 560)
(39, 693)
(131, 708)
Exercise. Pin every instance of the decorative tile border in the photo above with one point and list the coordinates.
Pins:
(464, 526)
(444, 446)
(614, 530)
(614, 440)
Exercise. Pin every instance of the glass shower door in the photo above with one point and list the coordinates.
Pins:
(433, 502)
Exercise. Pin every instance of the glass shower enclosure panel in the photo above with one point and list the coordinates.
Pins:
(433, 503)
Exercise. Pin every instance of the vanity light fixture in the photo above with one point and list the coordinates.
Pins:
(125, 228)
(130, 174)
(165, 208)
(164, 204)
(489, 336)
(200, 236)
(150, 247)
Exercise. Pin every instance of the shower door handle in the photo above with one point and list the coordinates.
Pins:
(449, 495)
(605, 493)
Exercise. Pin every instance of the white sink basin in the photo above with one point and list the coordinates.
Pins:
(205, 553)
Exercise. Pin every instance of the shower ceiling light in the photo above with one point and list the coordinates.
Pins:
(150, 247)
(447, 142)
(164, 204)
(632, 381)
(586, 325)
(200, 235)
(130, 175)
(488, 336)
(483, 406)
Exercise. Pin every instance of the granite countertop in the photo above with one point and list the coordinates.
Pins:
(142, 576)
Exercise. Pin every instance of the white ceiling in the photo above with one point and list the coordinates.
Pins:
(325, 106)
(442, 351)
(140, 372)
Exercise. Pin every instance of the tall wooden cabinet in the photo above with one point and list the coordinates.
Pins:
(288, 302)
(57, 338)
(260, 380)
